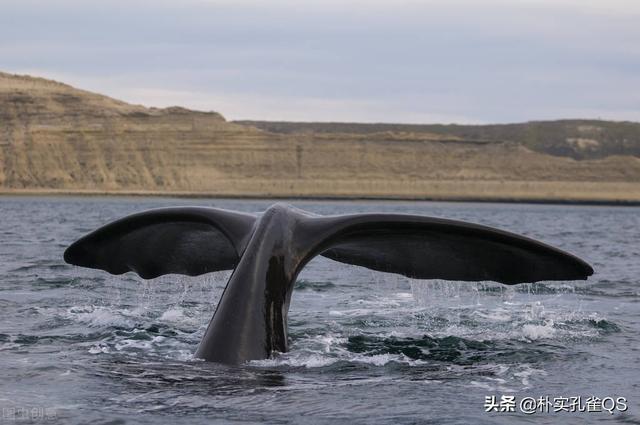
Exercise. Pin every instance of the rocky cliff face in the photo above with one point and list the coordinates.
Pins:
(578, 139)
(57, 138)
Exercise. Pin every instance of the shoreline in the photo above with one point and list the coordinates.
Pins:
(397, 198)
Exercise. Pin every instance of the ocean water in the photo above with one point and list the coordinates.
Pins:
(82, 346)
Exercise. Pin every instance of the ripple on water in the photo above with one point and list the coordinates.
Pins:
(363, 344)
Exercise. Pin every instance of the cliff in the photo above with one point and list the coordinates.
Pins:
(58, 139)
(579, 139)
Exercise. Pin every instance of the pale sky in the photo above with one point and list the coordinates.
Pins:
(424, 61)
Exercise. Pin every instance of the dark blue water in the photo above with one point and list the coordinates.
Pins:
(82, 346)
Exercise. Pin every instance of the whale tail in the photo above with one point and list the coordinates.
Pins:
(194, 241)
(268, 251)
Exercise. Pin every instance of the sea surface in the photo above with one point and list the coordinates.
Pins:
(82, 346)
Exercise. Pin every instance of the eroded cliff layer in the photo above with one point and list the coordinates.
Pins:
(55, 138)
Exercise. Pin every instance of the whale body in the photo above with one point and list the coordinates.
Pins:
(267, 251)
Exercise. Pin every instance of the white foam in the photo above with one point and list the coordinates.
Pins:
(527, 372)
(96, 316)
(309, 360)
(173, 314)
(537, 332)
(99, 348)
(328, 341)
(182, 355)
(126, 344)
(383, 359)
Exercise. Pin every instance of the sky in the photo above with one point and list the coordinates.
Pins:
(456, 61)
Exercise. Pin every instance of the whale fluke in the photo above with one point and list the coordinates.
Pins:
(431, 248)
(189, 241)
(267, 251)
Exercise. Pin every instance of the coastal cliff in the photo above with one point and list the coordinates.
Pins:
(58, 139)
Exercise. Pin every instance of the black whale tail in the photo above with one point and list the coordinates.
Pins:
(194, 241)
(267, 252)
